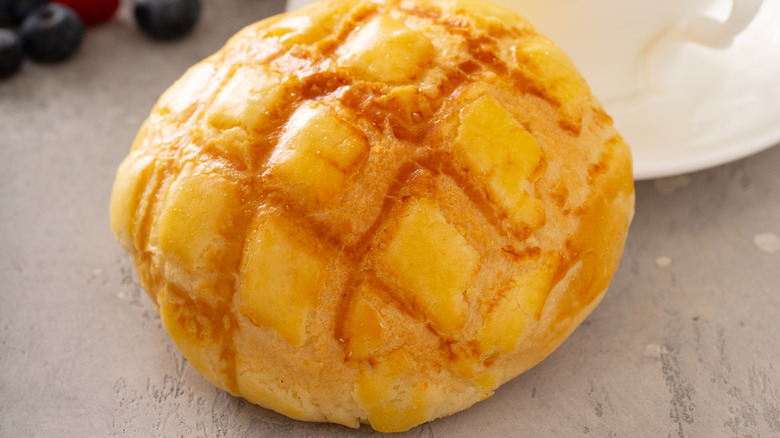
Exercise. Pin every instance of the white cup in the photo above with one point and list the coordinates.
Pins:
(611, 41)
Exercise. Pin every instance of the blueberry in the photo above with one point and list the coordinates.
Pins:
(11, 52)
(13, 12)
(167, 19)
(52, 33)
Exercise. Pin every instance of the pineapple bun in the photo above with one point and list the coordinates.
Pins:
(375, 211)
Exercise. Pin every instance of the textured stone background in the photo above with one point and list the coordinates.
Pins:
(685, 344)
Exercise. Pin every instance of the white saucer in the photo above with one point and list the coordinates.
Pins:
(295, 4)
(719, 106)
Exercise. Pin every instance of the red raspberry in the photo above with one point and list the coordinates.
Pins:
(92, 11)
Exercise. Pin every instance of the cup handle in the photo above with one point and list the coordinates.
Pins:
(709, 32)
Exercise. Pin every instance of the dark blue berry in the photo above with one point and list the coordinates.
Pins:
(13, 12)
(167, 19)
(11, 52)
(52, 33)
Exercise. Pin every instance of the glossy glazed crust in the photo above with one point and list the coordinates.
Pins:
(375, 212)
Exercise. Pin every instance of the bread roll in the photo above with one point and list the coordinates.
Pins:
(375, 211)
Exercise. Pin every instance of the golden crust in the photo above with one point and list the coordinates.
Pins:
(375, 212)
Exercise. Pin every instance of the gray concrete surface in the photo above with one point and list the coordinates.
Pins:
(685, 344)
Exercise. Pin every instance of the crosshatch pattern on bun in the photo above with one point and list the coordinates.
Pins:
(375, 212)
